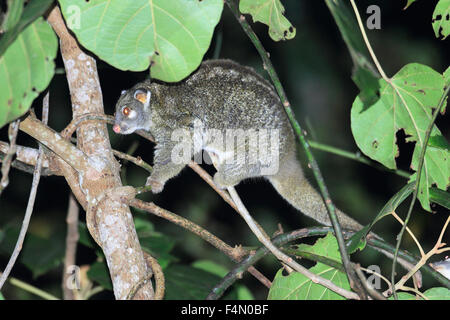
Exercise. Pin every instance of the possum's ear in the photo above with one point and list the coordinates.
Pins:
(143, 96)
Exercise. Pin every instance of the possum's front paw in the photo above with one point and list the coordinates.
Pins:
(156, 185)
(218, 181)
(223, 182)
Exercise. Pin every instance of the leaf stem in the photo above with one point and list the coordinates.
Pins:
(32, 289)
(366, 40)
(354, 156)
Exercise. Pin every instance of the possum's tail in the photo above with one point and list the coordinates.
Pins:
(293, 186)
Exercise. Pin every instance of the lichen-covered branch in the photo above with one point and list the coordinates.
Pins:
(114, 223)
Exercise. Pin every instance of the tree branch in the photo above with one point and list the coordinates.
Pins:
(99, 172)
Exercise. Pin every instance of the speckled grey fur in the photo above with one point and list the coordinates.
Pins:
(222, 95)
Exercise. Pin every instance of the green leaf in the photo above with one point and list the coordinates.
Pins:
(26, 69)
(403, 296)
(447, 76)
(32, 11)
(358, 240)
(441, 19)
(155, 243)
(363, 72)
(159, 246)
(12, 16)
(440, 197)
(188, 283)
(405, 104)
(128, 34)
(99, 273)
(438, 293)
(243, 293)
(296, 286)
(38, 254)
(143, 226)
(394, 202)
(269, 12)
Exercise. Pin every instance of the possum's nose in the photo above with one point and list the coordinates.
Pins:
(116, 128)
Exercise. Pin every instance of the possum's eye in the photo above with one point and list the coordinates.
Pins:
(126, 111)
(129, 112)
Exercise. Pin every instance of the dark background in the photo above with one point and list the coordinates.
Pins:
(315, 69)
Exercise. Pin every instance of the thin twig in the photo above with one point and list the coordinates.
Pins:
(253, 258)
(189, 225)
(382, 246)
(160, 282)
(282, 256)
(32, 289)
(366, 40)
(30, 205)
(71, 245)
(136, 160)
(422, 253)
(6, 162)
(371, 291)
(355, 156)
(386, 280)
(236, 254)
(354, 280)
(435, 250)
(129, 153)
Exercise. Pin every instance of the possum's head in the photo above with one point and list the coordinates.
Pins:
(133, 110)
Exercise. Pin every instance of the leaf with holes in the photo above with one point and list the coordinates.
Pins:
(441, 19)
(405, 104)
(296, 286)
(26, 69)
(129, 34)
(269, 12)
